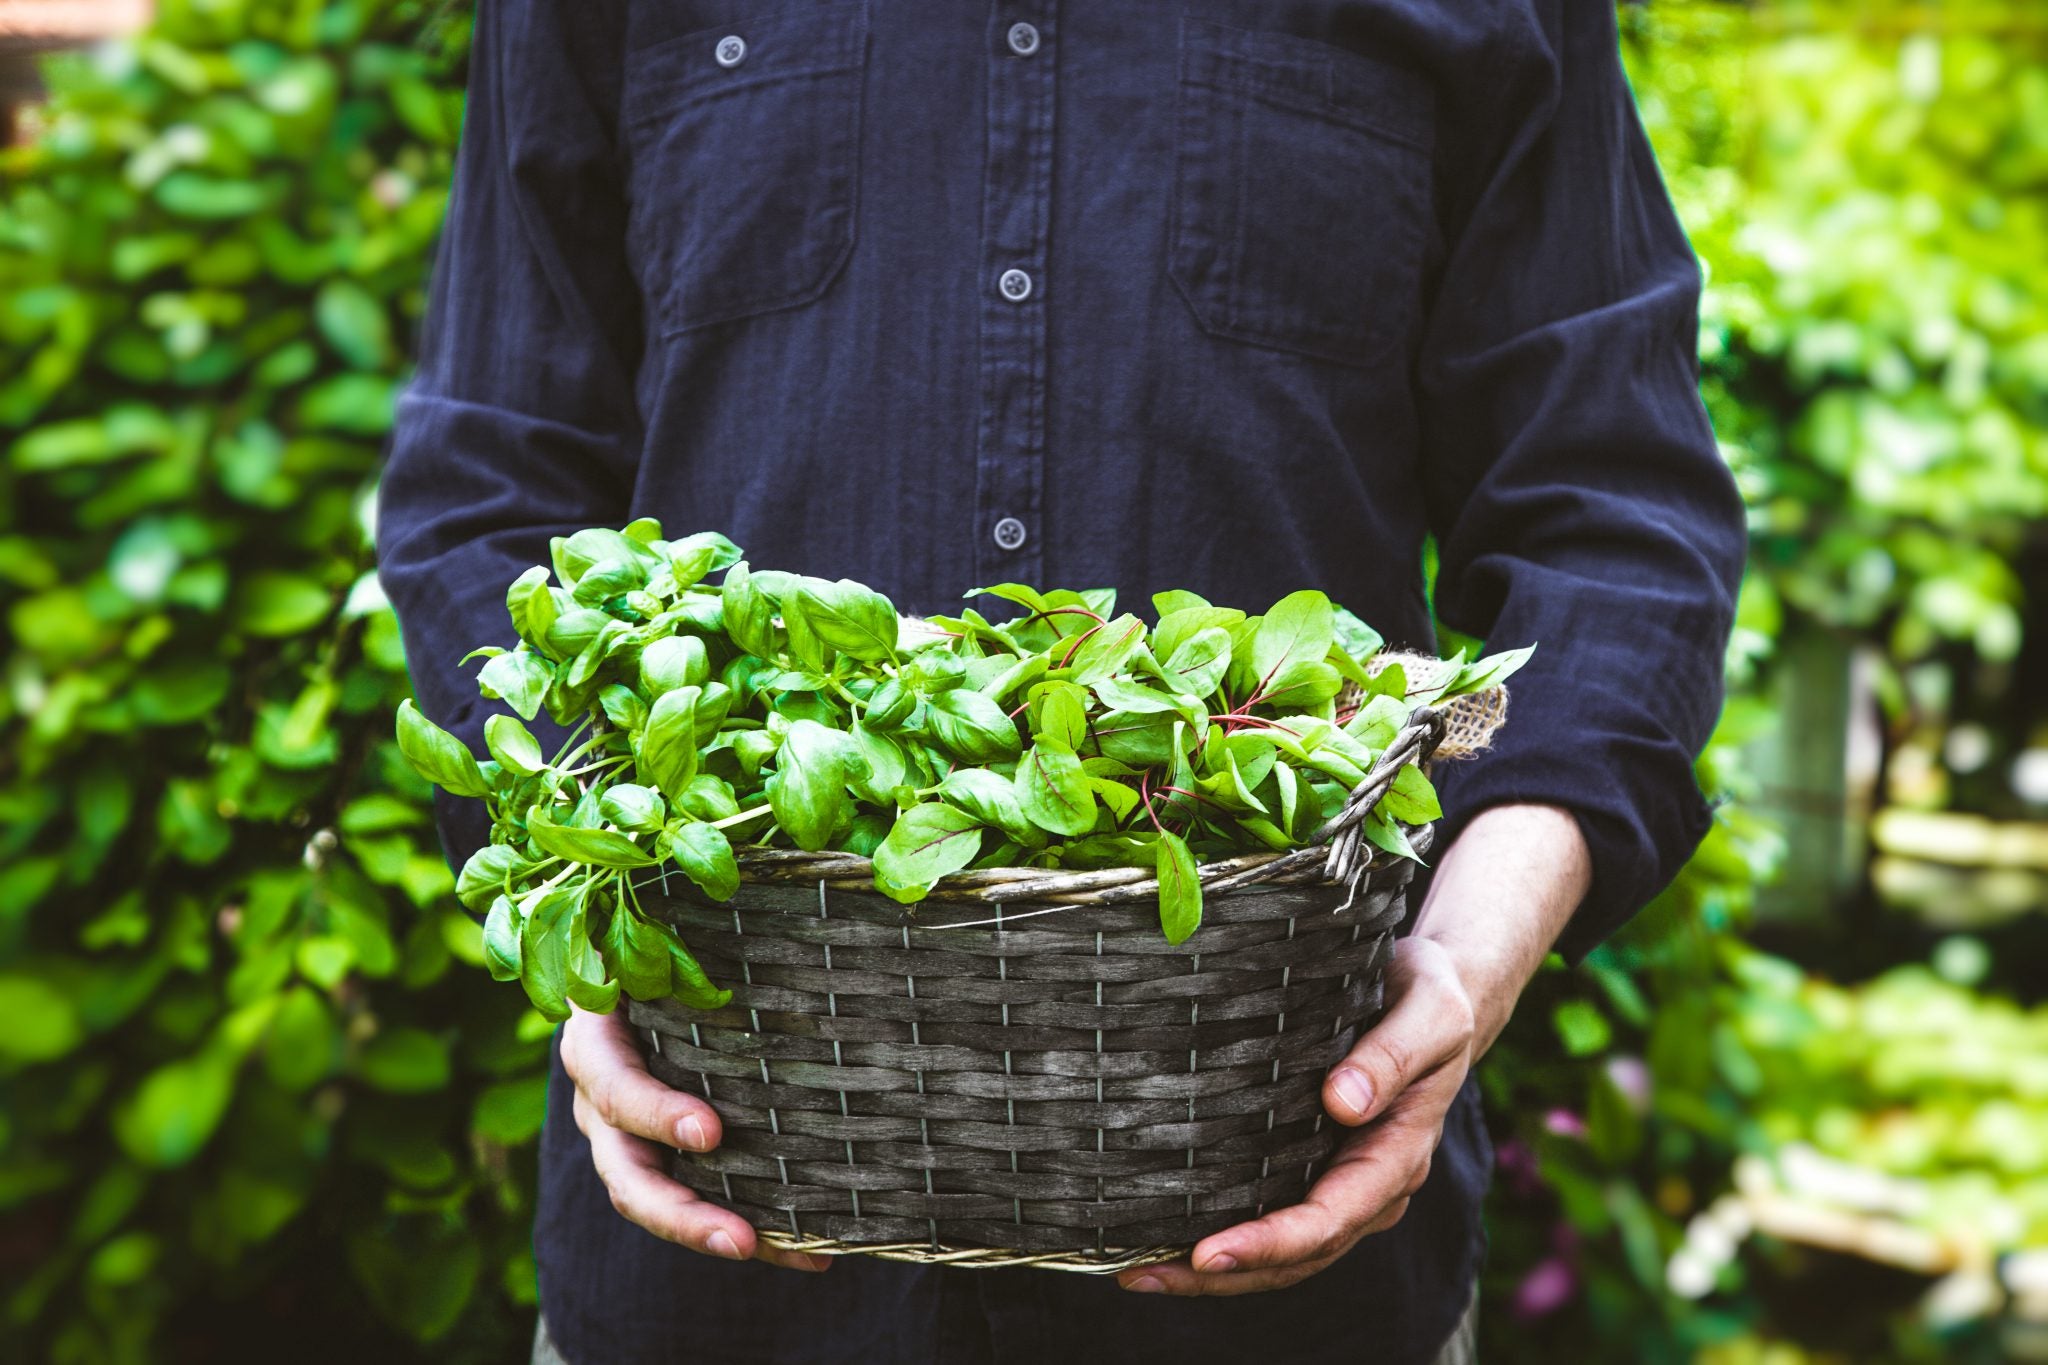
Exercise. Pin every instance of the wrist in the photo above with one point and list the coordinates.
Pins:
(1502, 893)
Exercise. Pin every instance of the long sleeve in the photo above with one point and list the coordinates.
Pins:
(1571, 474)
(521, 421)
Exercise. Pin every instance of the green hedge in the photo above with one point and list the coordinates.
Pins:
(253, 1084)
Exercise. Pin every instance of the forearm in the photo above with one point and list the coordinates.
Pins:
(1501, 896)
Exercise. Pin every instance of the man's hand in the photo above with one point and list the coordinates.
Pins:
(631, 1120)
(1501, 896)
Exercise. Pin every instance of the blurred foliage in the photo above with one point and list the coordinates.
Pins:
(254, 1092)
(1864, 185)
(249, 1059)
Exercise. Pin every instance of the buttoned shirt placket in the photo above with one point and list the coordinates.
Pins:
(1013, 291)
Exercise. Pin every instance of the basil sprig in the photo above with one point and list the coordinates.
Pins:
(775, 709)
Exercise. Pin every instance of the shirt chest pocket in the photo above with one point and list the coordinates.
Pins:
(743, 148)
(1301, 205)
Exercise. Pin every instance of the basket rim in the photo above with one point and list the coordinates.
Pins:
(1332, 853)
(1109, 1261)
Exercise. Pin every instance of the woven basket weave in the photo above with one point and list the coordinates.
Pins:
(1020, 1070)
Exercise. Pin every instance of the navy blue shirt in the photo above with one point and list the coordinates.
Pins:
(1230, 295)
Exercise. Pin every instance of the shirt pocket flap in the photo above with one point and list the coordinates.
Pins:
(780, 45)
(1311, 76)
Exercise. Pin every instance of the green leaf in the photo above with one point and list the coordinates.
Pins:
(270, 603)
(170, 1117)
(591, 984)
(532, 606)
(668, 753)
(1300, 627)
(1104, 651)
(705, 855)
(1142, 739)
(1490, 671)
(501, 940)
(513, 745)
(971, 727)
(1354, 636)
(847, 616)
(1301, 684)
(692, 987)
(633, 807)
(1411, 799)
(1582, 1028)
(42, 1023)
(884, 762)
(927, 842)
(595, 847)
(698, 554)
(1053, 790)
(355, 323)
(436, 755)
(1180, 888)
(519, 679)
(1061, 714)
(807, 791)
(637, 954)
(405, 1061)
(991, 799)
(708, 797)
(488, 873)
(544, 951)
(1200, 662)
(749, 615)
(673, 661)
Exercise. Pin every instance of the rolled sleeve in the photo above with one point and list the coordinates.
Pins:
(519, 424)
(1572, 478)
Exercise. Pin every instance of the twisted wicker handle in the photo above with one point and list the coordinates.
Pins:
(1346, 859)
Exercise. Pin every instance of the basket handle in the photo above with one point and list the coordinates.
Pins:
(1344, 831)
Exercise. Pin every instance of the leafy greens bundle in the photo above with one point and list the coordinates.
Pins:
(776, 709)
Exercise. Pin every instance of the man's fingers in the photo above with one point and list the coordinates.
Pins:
(644, 1193)
(1182, 1280)
(600, 1056)
(1429, 1023)
(1371, 1172)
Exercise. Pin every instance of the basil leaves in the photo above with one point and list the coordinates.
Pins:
(770, 708)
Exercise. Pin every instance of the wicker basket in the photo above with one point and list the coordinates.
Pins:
(1020, 1070)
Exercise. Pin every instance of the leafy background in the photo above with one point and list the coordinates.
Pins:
(257, 1095)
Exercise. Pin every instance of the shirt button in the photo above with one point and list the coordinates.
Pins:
(1015, 285)
(1009, 534)
(731, 50)
(1023, 39)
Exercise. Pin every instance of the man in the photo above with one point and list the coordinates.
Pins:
(1237, 297)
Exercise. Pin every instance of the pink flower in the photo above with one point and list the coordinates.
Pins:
(1631, 1076)
(1564, 1123)
(1547, 1287)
